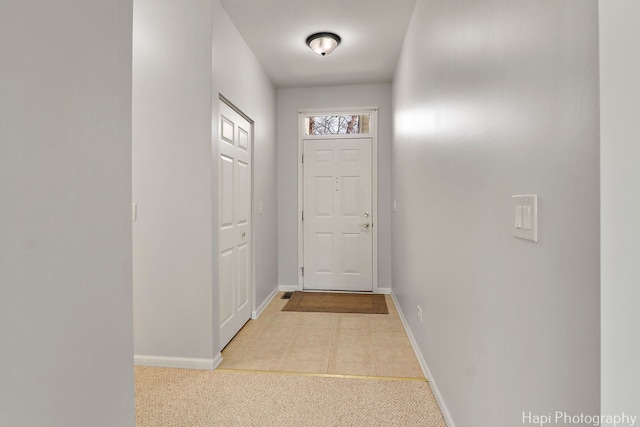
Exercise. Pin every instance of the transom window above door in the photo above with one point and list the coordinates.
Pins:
(338, 124)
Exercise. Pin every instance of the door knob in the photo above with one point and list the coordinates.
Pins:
(244, 234)
(365, 225)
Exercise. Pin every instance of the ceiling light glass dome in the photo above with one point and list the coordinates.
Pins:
(323, 43)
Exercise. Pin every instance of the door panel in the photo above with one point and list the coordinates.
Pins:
(243, 192)
(244, 267)
(226, 191)
(349, 195)
(234, 207)
(350, 246)
(338, 248)
(324, 247)
(324, 196)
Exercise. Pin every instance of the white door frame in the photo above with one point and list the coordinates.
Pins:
(252, 292)
(302, 114)
(222, 98)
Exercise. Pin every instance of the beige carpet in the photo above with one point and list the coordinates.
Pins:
(332, 302)
(189, 398)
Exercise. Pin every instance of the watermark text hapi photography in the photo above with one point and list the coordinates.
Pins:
(562, 418)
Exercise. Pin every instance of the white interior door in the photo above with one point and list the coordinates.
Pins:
(338, 242)
(234, 213)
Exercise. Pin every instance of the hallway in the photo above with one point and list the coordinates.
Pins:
(110, 177)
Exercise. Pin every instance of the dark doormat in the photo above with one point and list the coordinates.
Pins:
(330, 302)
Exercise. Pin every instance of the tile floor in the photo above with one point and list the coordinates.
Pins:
(324, 343)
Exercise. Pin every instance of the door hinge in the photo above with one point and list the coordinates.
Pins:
(303, 159)
(302, 268)
(303, 215)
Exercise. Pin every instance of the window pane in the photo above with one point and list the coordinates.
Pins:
(338, 125)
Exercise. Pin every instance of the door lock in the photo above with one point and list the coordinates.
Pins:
(244, 234)
(366, 214)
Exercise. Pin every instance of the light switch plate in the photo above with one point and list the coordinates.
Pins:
(525, 217)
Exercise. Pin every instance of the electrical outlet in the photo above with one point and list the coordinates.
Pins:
(420, 314)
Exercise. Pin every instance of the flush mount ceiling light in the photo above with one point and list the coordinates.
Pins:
(323, 43)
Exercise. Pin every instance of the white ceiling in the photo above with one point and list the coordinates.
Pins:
(372, 33)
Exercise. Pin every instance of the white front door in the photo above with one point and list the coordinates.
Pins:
(234, 212)
(337, 223)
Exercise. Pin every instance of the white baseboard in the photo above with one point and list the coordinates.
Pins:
(217, 360)
(178, 362)
(258, 311)
(425, 368)
(386, 291)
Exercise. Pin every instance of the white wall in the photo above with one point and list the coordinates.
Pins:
(290, 101)
(172, 255)
(185, 54)
(492, 99)
(620, 210)
(65, 180)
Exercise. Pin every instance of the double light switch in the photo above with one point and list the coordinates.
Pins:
(525, 217)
